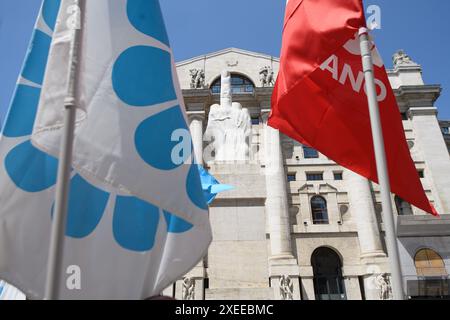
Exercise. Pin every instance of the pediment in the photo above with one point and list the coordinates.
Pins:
(228, 53)
(235, 60)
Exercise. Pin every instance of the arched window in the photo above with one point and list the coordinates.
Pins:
(429, 264)
(239, 84)
(403, 207)
(433, 277)
(319, 210)
(327, 270)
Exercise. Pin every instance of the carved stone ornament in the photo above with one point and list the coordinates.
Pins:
(384, 284)
(197, 78)
(266, 76)
(401, 58)
(188, 289)
(232, 63)
(286, 288)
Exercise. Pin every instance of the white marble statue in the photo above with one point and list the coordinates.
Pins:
(229, 126)
(197, 78)
(266, 76)
(401, 58)
(188, 289)
(286, 288)
(383, 283)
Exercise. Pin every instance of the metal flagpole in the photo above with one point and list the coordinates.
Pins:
(55, 257)
(380, 157)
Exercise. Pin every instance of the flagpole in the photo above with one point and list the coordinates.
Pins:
(380, 157)
(56, 248)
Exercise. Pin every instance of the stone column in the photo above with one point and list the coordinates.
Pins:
(281, 261)
(276, 201)
(196, 119)
(196, 128)
(434, 152)
(363, 211)
(372, 255)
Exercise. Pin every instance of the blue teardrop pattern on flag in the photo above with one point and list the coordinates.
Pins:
(135, 223)
(194, 188)
(86, 207)
(50, 11)
(30, 169)
(146, 16)
(142, 76)
(22, 112)
(36, 62)
(176, 224)
(153, 139)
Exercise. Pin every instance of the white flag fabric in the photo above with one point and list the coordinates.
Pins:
(137, 217)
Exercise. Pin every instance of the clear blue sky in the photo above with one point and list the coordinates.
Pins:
(197, 27)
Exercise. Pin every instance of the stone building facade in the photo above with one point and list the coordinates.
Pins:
(297, 225)
(445, 127)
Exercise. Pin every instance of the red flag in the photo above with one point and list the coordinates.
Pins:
(319, 98)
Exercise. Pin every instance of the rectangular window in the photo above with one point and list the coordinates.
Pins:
(314, 176)
(338, 176)
(310, 153)
(291, 177)
(255, 121)
(421, 173)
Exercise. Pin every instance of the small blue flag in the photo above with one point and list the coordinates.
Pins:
(211, 187)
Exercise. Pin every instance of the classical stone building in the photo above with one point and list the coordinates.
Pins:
(297, 225)
(445, 127)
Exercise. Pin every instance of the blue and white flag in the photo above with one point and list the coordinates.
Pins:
(137, 217)
(8, 292)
